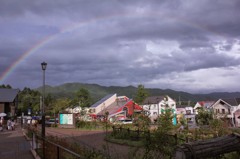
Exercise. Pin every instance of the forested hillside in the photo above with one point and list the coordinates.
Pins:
(97, 92)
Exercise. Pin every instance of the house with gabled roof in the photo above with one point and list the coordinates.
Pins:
(155, 105)
(8, 101)
(118, 107)
(226, 108)
(203, 105)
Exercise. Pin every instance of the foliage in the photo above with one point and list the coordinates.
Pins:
(6, 86)
(82, 98)
(162, 143)
(142, 121)
(204, 117)
(81, 124)
(60, 105)
(49, 103)
(219, 127)
(29, 99)
(141, 94)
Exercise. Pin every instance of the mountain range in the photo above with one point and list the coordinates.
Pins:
(97, 92)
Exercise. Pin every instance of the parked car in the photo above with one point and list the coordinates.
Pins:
(51, 122)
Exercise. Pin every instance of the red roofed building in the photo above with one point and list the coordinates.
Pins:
(118, 108)
(203, 104)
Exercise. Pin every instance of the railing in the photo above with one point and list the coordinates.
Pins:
(137, 135)
(60, 147)
(50, 150)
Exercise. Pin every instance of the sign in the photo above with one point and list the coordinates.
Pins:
(66, 119)
(29, 111)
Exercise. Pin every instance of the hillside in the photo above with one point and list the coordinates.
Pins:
(97, 92)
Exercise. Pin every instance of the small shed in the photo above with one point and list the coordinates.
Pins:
(208, 148)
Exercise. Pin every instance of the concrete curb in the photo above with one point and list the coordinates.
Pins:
(34, 153)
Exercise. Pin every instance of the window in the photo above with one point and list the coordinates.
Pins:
(188, 111)
(222, 103)
(229, 111)
(223, 111)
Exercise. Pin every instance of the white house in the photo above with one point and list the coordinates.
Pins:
(155, 105)
(226, 108)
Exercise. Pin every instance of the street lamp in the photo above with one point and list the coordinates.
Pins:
(44, 66)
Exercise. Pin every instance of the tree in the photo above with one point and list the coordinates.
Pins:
(49, 103)
(60, 104)
(141, 94)
(29, 99)
(204, 117)
(5, 86)
(82, 97)
(161, 143)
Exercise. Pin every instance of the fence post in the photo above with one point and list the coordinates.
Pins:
(138, 134)
(33, 135)
(149, 136)
(176, 139)
(58, 154)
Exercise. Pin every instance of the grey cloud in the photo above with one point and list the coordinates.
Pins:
(108, 41)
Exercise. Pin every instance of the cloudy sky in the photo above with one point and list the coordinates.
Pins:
(186, 45)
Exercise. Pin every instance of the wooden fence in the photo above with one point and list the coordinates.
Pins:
(137, 135)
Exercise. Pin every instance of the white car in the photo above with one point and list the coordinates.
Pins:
(124, 121)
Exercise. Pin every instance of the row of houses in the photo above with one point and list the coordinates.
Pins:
(121, 107)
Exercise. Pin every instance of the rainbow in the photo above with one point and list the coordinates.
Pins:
(50, 38)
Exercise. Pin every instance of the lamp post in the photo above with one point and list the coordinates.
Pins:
(44, 66)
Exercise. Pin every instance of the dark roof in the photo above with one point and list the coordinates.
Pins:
(102, 100)
(232, 101)
(153, 100)
(182, 106)
(8, 95)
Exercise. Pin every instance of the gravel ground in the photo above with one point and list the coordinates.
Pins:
(94, 139)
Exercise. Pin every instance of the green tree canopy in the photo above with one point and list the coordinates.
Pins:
(141, 95)
(5, 86)
(60, 104)
(29, 99)
(204, 117)
(82, 98)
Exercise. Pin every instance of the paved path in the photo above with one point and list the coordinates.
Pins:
(13, 145)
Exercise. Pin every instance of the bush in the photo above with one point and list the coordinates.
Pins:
(88, 124)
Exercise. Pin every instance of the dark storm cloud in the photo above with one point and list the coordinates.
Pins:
(120, 42)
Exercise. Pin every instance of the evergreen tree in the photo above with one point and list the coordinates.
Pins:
(141, 95)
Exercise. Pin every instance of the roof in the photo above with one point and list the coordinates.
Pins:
(8, 95)
(182, 106)
(232, 101)
(102, 100)
(112, 108)
(153, 100)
